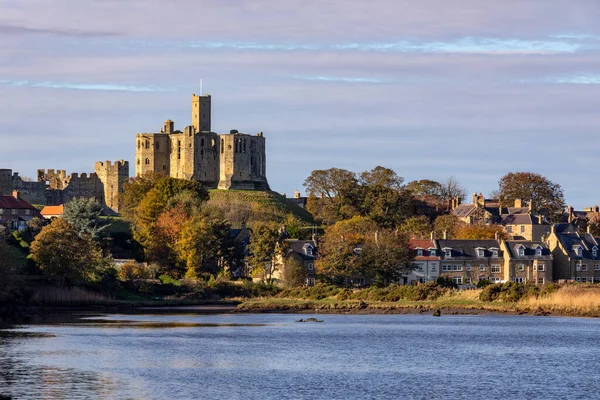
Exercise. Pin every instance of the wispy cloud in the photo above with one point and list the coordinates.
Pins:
(572, 79)
(84, 86)
(26, 30)
(473, 45)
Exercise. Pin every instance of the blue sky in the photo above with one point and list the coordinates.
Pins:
(471, 89)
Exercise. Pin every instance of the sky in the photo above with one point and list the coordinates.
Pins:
(472, 89)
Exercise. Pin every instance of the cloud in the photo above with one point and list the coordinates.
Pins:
(25, 30)
(84, 86)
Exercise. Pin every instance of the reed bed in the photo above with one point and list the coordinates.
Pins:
(569, 298)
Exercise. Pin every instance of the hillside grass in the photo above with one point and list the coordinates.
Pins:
(267, 203)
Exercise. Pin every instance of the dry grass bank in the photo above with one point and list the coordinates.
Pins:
(573, 299)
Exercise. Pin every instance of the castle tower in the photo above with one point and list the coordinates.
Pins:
(152, 154)
(112, 176)
(201, 113)
(242, 162)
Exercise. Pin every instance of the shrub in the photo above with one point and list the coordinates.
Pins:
(490, 292)
(483, 283)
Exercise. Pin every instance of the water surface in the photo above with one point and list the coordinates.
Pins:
(270, 356)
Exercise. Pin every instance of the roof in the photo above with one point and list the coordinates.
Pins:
(298, 247)
(420, 243)
(571, 240)
(530, 248)
(53, 210)
(463, 210)
(11, 202)
(466, 248)
(521, 219)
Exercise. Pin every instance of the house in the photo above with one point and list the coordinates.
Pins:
(15, 212)
(303, 252)
(525, 226)
(480, 211)
(469, 261)
(581, 219)
(527, 261)
(49, 212)
(426, 261)
(576, 255)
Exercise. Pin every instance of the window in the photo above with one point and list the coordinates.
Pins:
(309, 250)
(311, 267)
(521, 251)
(594, 251)
(578, 267)
(434, 267)
(164, 167)
(584, 267)
(468, 267)
(495, 253)
(157, 145)
(357, 251)
(147, 144)
(538, 251)
(482, 267)
(309, 281)
(495, 269)
(578, 250)
(448, 253)
(27, 212)
(521, 267)
(138, 161)
(519, 280)
(432, 252)
(522, 228)
(509, 229)
(495, 279)
(540, 281)
(457, 280)
(13, 211)
(449, 268)
(479, 252)
(420, 252)
(147, 162)
(457, 268)
(542, 268)
(597, 279)
(596, 267)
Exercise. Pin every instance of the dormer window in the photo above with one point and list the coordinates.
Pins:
(578, 250)
(538, 251)
(594, 251)
(521, 250)
(357, 251)
(432, 252)
(480, 252)
(494, 252)
(448, 252)
(308, 250)
(420, 252)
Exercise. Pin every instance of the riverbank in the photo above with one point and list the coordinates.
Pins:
(574, 301)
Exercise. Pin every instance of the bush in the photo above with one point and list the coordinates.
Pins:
(483, 283)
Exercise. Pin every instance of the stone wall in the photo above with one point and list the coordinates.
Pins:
(112, 176)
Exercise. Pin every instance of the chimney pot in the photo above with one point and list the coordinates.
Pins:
(16, 194)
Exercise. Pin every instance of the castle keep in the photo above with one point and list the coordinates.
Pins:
(223, 161)
(55, 187)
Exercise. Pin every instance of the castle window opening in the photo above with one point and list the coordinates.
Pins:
(147, 161)
(138, 161)
(164, 167)
(202, 142)
(147, 144)
(244, 145)
(157, 145)
(222, 146)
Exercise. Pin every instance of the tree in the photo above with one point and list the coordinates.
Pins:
(66, 256)
(83, 214)
(547, 196)
(480, 232)
(452, 189)
(294, 272)
(418, 227)
(263, 243)
(8, 281)
(446, 223)
(386, 257)
(337, 192)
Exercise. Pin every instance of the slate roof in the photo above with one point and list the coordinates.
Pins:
(530, 248)
(298, 247)
(466, 249)
(585, 240)
(10, 202)
(521, 219)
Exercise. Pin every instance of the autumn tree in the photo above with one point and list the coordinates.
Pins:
(418, 227)
(386, 257)
(480, 232)
(337, 192)
(7, 272)
(263, 243)
(547, 196)
(447, 223)
(293, 272)
(66, 256)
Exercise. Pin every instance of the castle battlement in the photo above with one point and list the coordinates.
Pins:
(227, 161)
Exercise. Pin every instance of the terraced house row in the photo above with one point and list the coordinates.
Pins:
(562, 255)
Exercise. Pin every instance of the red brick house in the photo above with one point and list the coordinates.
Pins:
(15, 212)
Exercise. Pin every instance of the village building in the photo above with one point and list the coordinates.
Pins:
(527, 261)
(470, 261)
(426, 261)
(481, 211)
(49, 212)
(15, 212)
(299, 252)
(576, 255)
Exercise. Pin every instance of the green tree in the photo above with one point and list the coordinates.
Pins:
(83, 214)
(547, 196)
(386, 257)
(8, 280)
(294, 272)
(263, 243)
(337, 192)
(446, 223)
(66, 256)
(418, 227)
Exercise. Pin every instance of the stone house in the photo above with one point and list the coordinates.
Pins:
(527, 261)
(15, 212)
(525, 226)
(426, 261)
(481, 211)
(469, 261)
(576, 255)
(299, 251)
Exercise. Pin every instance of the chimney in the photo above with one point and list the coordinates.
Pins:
(496, 235)
(432, 235)
(596, 209)
(297, 194)
(445, 235)
(475, 198)
(570, 213)
(518, 203)
(531, 206)
(588, 229)
(16, 194)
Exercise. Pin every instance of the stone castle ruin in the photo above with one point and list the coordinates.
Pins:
(54, 187)
(223, 161)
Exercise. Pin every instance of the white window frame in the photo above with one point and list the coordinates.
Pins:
(480, 253)
(457, 279)
(521, 251)
(541, 267)
(521, 267)
(538, 251)
(311, 267)
(496, 269)
(522, 228)
(482, 267)
(468, 267)
(419, 252)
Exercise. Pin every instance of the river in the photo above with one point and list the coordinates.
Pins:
(271, 356)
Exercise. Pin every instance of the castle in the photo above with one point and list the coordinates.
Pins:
(223, 161)
(54, 187)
